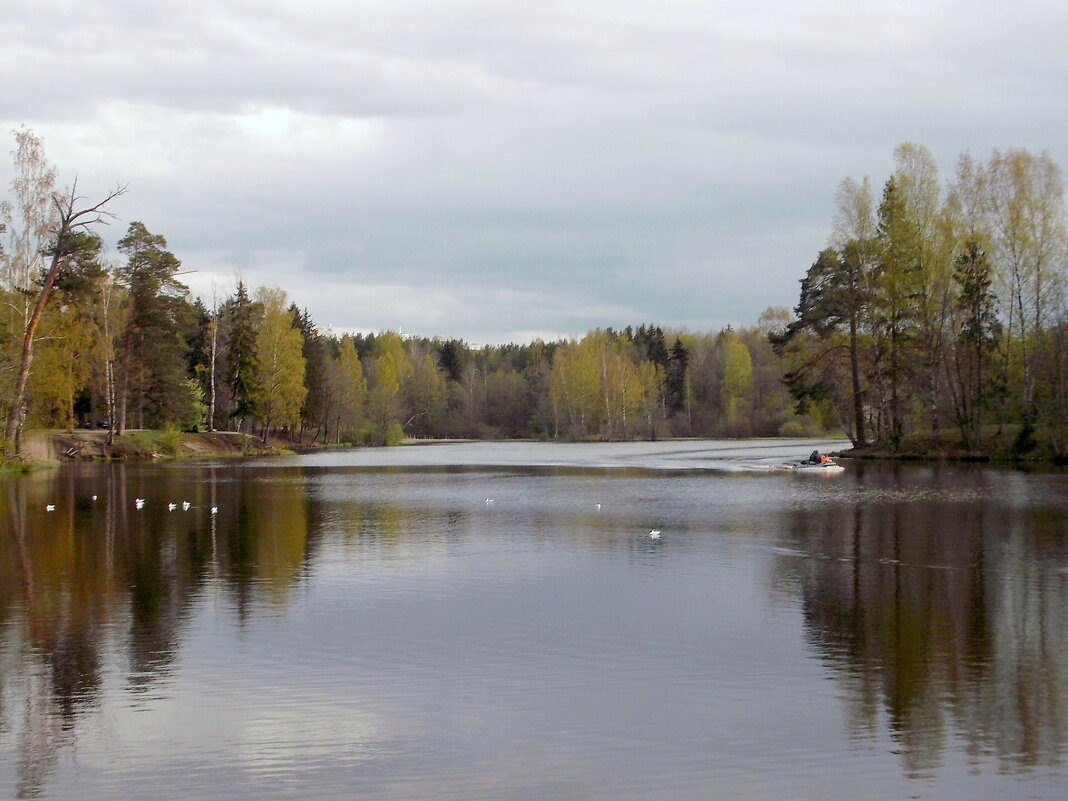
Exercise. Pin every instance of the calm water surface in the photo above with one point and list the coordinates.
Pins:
(369, 624)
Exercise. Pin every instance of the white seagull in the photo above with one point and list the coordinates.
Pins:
(185, 506)
(654, 534)
(50, 507)
(171, 507)
(94, 497)
(215, 510)
(139, 503)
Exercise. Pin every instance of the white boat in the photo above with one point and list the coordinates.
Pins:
(830, 466)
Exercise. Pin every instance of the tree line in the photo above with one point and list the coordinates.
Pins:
(119, 342)
(934, 313)
(938, 314)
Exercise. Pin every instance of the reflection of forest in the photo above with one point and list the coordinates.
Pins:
(943, 617)
(100, 582)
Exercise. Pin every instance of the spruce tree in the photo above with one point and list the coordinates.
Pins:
(242, 317)
(312, 413)
(678, 363)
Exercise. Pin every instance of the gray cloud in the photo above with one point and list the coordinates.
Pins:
(506, 168)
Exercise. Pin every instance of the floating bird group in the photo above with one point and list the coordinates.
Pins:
(139, 503)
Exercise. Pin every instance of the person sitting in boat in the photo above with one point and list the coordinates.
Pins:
(824, 459)
(814, 457)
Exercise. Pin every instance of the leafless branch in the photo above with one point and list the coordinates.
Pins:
(72, 219)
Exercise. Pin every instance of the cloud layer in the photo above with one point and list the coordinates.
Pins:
(492, 170)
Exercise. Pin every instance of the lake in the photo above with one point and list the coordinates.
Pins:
(494, 621)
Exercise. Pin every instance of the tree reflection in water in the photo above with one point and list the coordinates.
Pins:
(941, 615)
(98, 578)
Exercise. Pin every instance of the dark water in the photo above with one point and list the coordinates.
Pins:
(368, 626)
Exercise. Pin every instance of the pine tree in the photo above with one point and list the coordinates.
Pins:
(155, 343)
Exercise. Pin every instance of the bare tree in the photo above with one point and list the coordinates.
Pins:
(69, 216)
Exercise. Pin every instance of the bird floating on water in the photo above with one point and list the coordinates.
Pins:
(94, 497)
(215, 510)
(50, 507)
(171, 507)
(139, 503)
(598, 507)
(185, 506)
(489, 501)
(654, 534)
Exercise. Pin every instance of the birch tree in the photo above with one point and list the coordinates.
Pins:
(1026, 204)
(279, 384)
(42, 222)
(353, 396)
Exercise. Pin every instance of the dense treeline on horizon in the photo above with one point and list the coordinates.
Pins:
(940, 315)
(119, 343)
(933, 314)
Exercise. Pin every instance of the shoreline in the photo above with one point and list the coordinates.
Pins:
(42, 449)
(959, 456)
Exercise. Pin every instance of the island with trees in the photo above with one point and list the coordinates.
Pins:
(933, 324)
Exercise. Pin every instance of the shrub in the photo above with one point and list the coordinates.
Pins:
(394, 434)
(170, 441)
(800, 428)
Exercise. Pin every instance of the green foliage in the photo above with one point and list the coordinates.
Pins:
(799, 428)
(279, 378)
(1025, 443)
(170, 441)
(317, 399)
(950, 309)
(737, 377)
(394, 434)
(155, 342)
(243, 319)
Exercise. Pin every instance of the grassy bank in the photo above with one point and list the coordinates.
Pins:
(44, 447)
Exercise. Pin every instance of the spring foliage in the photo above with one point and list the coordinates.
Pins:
(938, 314)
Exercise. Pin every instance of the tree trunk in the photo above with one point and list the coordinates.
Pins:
(861, 439)
(211, 382)
(15, 415)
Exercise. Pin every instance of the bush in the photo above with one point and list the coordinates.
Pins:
(394, 434)
(1025, 441)
(170, 441)
(800, 428)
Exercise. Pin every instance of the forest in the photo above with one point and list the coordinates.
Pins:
(932, 314)
(936, 319)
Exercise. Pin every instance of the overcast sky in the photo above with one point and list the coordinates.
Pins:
(495, 171)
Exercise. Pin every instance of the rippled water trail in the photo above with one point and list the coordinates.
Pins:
(494, 621)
